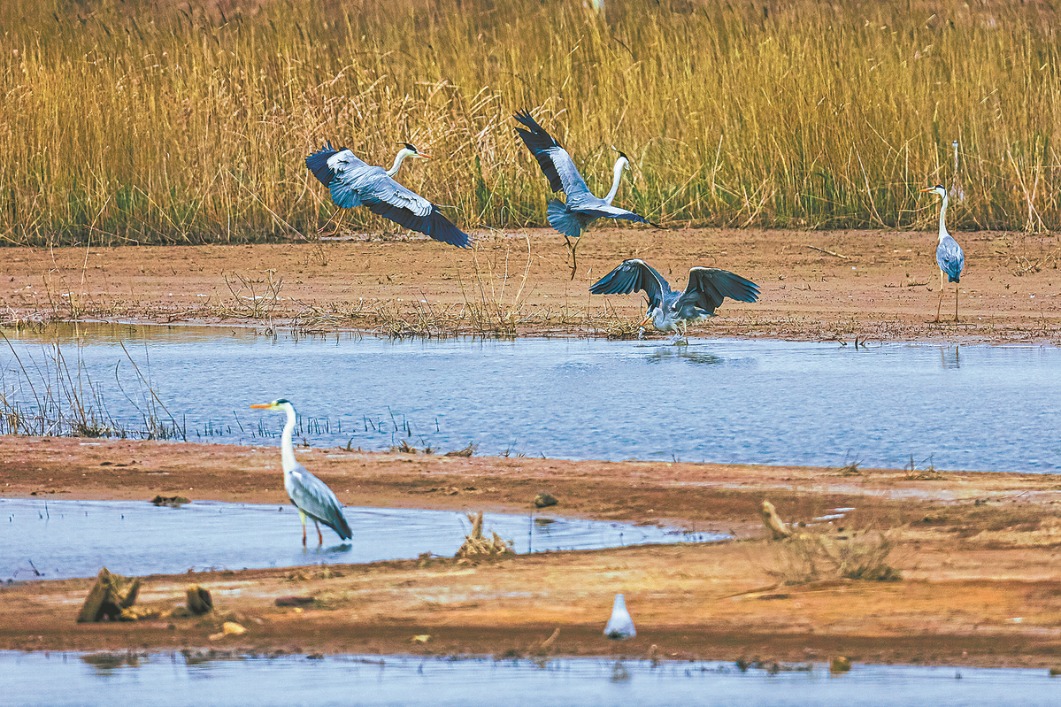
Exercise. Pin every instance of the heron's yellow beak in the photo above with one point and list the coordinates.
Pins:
(645, 321)
(262, 406)
(928, 189)
(421, 154)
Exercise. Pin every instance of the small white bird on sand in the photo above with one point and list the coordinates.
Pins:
(620, 625)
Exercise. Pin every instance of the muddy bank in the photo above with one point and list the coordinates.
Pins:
(978, 555)
(874, 285)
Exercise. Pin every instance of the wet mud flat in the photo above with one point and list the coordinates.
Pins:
(978, 555)
(820, 285)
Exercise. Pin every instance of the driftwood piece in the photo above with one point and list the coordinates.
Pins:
(109, 595)
(199, 600)
(777, 527)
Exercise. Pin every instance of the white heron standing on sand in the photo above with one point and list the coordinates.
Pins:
(353, 183)
(949, 255)
(582, 206)
(670, 310)
(308, 494)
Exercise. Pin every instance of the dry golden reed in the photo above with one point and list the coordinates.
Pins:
(180, 121)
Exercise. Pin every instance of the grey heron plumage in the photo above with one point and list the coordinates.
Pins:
(671, 310)
(353, 183)
(949, 255)
(308, 494)
(581, 207)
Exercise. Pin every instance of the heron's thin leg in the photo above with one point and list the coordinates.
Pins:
(320, 538)
(572, 246)
(955, 301)
(302, 517)
(940, 304)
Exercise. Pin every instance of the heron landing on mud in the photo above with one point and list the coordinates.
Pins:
(670, 310)
(582, 206)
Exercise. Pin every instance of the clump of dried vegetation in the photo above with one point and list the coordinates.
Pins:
(165, 122)
(810, 553)
(815, 555)
(477, 546)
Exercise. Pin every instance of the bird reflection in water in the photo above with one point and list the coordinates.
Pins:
(684, 353)
(950, 358)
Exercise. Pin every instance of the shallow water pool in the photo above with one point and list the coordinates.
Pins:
(57, 539)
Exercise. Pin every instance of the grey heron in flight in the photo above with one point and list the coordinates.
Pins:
(582, 206)
(949, 255)
(308, 494)
(353, 183)
(670, 310)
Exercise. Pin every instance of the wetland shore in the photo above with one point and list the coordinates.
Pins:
(978, 554)
(828, 285)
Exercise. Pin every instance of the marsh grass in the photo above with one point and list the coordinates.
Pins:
(165, 122)
(50, 395)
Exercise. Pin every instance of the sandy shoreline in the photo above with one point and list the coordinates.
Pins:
(839, 285)
(979, 555)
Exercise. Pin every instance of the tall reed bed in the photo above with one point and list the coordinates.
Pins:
(167, 121)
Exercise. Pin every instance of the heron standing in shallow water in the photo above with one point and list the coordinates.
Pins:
(308, 494)
(582, 206)
(353, 183)
(669, 310)
(949, 255)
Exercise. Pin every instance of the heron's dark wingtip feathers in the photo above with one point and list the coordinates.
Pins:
(727, 284)
(318, 163)
(442, 229)
(341, 527)
(621, 281)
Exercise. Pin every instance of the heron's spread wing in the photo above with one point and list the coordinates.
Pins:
(341, 172)
(950, 258)
(353, 183)
(634, 275)
(386, 197)
(553, 159)
(708, 287)
(338, 170)
(608, 211)
(313, 497)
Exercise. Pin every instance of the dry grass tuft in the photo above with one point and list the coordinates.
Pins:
(813, 556)
(477, 547)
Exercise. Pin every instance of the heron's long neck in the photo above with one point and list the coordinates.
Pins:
(287, 447)
(943, 219)
(398, 159)
(618, 173)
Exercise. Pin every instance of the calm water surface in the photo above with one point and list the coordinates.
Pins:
(173, 679)
(969, 407)
(75, 538)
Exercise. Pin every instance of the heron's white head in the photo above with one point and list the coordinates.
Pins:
(279, 404)
(938, 190)
(623, 162)
(410, 151)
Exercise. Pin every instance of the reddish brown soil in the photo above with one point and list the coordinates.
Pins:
(875, 285)
(979, 556)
